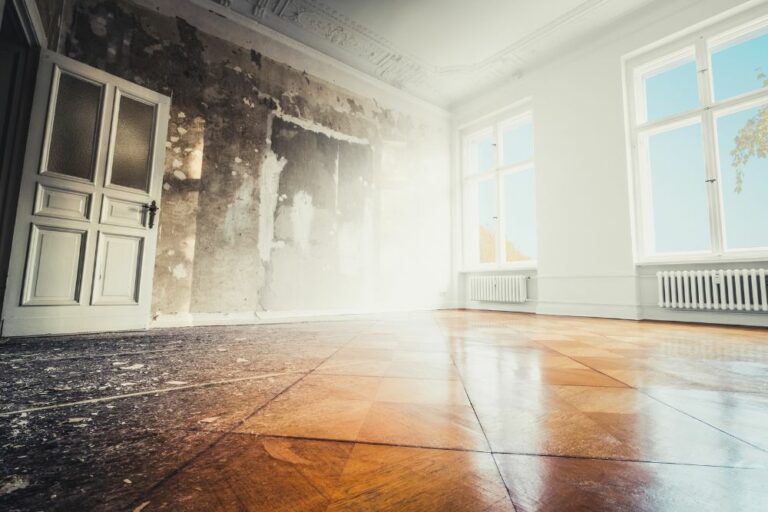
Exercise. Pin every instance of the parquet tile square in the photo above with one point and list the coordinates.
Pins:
(574, 485)
(743, 415)
(427, 425)
(258, 474)
(408, 479)
(297, 416)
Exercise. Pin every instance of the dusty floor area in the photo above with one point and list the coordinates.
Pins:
(444, 411)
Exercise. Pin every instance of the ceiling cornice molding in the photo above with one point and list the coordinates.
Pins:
(380, 57)
(292, 52)
(318, 25)
(511, 52)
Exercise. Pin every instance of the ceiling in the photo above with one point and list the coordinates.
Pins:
(442, 51)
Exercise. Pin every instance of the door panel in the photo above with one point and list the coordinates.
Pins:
(119, 212)
(59, 203)
(118, 269)
(92, 169)
(55, 266)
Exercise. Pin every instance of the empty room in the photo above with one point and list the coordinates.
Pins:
(384, 255)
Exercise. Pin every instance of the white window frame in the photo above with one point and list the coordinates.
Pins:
(700, 45)
(494, 125)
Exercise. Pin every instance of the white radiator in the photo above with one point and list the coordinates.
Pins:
(511, 289)
(733, 290)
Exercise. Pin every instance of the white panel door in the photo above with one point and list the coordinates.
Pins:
(86, 226)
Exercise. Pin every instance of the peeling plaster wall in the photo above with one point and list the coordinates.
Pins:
(282, 192)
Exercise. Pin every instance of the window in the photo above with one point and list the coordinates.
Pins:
(500, 195)
(699, 129)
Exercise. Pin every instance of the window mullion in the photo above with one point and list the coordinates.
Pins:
(645, 197)
(706, 96)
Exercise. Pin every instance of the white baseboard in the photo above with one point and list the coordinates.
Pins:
(274, 317)
(620, 311)
(525, 307)
(704, 317)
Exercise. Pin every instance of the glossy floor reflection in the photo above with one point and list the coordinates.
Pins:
(447, 411)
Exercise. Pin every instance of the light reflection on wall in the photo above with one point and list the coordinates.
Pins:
(179, 209)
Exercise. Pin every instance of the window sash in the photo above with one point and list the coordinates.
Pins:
(471, 259)
(701, 45)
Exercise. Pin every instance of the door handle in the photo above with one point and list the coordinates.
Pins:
(152, 209)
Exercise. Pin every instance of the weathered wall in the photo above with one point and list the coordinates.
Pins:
(281, 192)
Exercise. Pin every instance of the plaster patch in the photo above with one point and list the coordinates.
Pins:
(302, 214)
(324, 130)
(269, 183)
(240, 210)
(179, 271)
(349, 249)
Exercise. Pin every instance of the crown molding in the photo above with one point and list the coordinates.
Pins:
(330, 32)
(287, 50)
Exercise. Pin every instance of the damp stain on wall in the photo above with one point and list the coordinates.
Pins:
(276, 184)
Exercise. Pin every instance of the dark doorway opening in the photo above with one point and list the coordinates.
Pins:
(18, 64)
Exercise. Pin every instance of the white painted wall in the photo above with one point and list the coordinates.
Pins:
(586, 256)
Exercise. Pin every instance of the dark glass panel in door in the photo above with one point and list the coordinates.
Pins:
(74, 136)
(133, 144)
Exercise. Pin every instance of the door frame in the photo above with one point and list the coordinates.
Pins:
(24, 75)
(31, 21)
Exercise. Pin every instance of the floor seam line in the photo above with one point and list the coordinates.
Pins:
(349, 441)
(646, 394)
(635, 461)
(223, 435)
(304, 376)
(145, 393)
(485, 435)
(703, 422)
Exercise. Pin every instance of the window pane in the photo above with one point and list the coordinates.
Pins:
(482, 154)
(671, 91)
(744, 177)
(133, 144)
(740, 68)
(486, 228)
(681, 214)
(517, 143)
(75, 128)
(520, 216)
